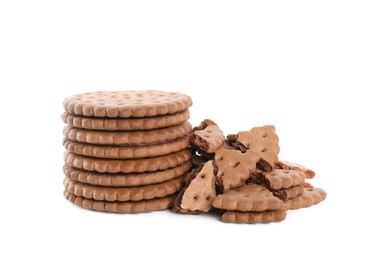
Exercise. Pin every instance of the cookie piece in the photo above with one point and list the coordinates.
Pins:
(231, 139)
(126, 180)
(127, 166)
(280, 179)
(207, 137)
(125, 193)
(254, 217)
(309, 174)
(126, 104)
(262, 140)
(233, 168)
(126, 152)
(128, 137)
(122, 207)
(251, 197)
(310, 196)
(199, 192)
(289, 193)
(126, 124)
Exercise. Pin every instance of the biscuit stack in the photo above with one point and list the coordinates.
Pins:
(127, 151)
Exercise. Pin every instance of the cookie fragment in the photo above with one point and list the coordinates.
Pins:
(199, 192)
(310, 196)
(309, 174)
(280, 179)
(207, 137)
(262, 140)
(233, 168)
(251, 197)
(289, 193)
(254, 217)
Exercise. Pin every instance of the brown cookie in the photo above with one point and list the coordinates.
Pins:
(289, 193)
(118, 124)
(207, 137)
(310, 196)
(254, 217)
(294, 166)
(122, 207)
(250, 197)
(123, 194)
(155, 136)
(126, 152)
(233, 168)
(126, 104)
(262, 140)
(231, 138)
(126, 180)
(127, 166)
(280, 179)
(199, 192)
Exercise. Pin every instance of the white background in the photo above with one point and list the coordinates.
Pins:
(296, 64)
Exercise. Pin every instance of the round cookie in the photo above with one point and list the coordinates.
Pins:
(126, 124)
(126, 104)
(127, 166)
(126, 152)
(126, 180)
(123, 193)
(122, 207)
(128, 137)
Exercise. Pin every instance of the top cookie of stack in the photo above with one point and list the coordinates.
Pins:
(122, 139)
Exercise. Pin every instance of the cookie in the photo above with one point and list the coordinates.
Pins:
(126, 180)
(125, 193)
(126, 104)
(310, 196)
(127, 166)
(289, 193)
(126, 124)
(122, 207)
(207, 137)
(233, 168)
(280, 179)
(262, 140)
(128, 137)
(294, 166)
(254, 217)
(231, 138)
(199, 192)
(126, 152)
(251, 197)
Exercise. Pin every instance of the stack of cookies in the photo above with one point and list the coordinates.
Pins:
(242, 177)
(127, 151)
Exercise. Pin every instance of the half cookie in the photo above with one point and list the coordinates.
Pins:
(199, 192)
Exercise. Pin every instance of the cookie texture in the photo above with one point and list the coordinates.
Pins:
(280, 179)
(233, 168)
(310, 196)
(207, 137)
(126, 104)
(285, 165)
(122, 207)
(126, 124)
(262, 140)
(254, 217)
(199, 191)
(289, 193)
(125, 193)
(126, 179)
(128, 137)
(126, 152)
(250, 197)
(129, 165)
